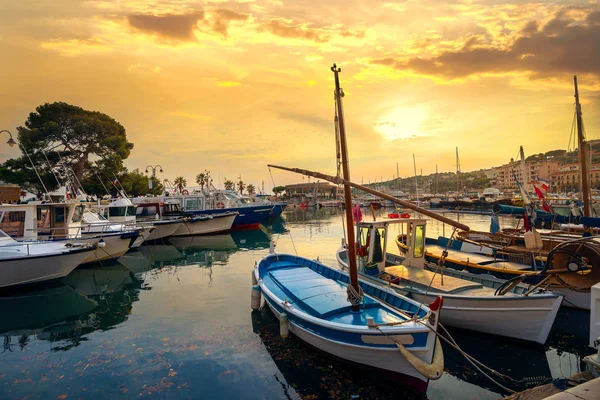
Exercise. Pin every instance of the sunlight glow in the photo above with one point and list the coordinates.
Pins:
(401, 123)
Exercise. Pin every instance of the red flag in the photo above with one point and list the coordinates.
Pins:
(357, 214)
(540, 193)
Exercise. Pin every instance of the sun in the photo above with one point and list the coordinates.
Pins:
(401, 123)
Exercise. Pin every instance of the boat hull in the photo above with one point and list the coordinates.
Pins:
(497, 315)
(248, 217)
(115, 245)
(204, 226)
(164, 230)
(35, 269)
(385, 359)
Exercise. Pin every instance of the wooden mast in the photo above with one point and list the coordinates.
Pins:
(583, 160)
(347, 192)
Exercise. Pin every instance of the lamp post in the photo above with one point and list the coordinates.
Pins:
(11, 142)
(153, 178)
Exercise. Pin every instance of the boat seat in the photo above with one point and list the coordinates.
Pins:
(424, 278)
(312, 292)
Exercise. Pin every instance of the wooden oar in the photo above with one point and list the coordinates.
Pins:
(337, 180)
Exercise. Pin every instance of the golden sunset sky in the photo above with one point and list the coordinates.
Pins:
(231, 86)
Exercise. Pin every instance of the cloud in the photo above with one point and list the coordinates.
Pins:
(564, 45)
(172, 26)
(221, 19)
(281, 28)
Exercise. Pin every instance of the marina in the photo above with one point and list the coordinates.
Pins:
(133, 329)
(287, 200)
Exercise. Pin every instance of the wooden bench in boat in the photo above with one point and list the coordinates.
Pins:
(476, 260)
(424, 278)
(312, 292)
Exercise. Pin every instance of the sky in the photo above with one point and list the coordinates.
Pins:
(231, 86)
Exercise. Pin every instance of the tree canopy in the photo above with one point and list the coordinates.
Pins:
(74, 141)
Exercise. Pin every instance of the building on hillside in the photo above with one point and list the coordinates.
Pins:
(305, 192)
(505, 174)
(567, 178)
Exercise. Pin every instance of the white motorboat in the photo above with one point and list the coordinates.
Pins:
(207, 224)
(64, 222)
(32, 262)
(471, 301)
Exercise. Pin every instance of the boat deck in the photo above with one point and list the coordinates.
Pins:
(476, 260)
(322, 297)
(444, 284)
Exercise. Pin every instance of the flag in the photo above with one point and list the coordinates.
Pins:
(541, 188)
(357, 214)
(115, 182)
(544, 184)
(539, 191)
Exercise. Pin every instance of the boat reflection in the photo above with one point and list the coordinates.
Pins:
(213, 242)
(31, 311)
(276, 226)
(87, 300)
(310, 373)
(257, 239)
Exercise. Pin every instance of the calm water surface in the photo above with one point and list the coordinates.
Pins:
(174, 321)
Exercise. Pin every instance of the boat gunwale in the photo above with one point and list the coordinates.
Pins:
(407, 327)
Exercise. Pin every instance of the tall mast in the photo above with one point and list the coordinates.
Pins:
(416, 182)
(347, 192)
(436, 179)
(457, 173)
(524, 180)
(583, 158)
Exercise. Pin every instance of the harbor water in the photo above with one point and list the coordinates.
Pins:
(173, 320)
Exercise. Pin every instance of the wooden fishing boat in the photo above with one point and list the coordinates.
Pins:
(570, 269)
(471, 301)
(357, 321)
(312, 297)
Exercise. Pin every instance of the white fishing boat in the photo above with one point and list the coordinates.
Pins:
(123, 211)
(334, 312)
(34, 262)
(168, 209)
(471, 301)
(62, 222)
(207, 224)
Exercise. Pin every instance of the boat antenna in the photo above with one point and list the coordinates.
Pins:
(122, 189)
(583, 159)
(354, 290)
(35, 169)
(102, 183)
(51, 169)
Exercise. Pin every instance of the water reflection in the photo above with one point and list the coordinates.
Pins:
(171, 312)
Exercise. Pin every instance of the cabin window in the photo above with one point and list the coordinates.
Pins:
(379, 245)
(13, 223)
(364, 236)
(116, 211)
(192, 203)
(419, 242)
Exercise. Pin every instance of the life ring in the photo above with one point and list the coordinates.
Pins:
(405, 215)
(220, 205)
(393, 215)
(184, 191)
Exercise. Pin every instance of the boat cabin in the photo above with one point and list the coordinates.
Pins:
(121, 210)
(372, 243)
(155, 207)
(38, 220)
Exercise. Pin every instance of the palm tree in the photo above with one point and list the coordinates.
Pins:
(241, 186)
(251, 189)
(201, 180)
(229, 185)
(180, 182)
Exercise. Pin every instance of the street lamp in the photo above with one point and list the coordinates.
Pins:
(152, 180)
(11, 142)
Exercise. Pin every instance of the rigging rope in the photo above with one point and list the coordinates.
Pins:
(38, 175)
(354, 297)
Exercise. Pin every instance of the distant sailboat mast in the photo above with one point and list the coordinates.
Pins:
(416, 181)
(457, 172)
(583, 159)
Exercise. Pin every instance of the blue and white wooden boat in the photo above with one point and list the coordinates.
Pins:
(313, 298)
